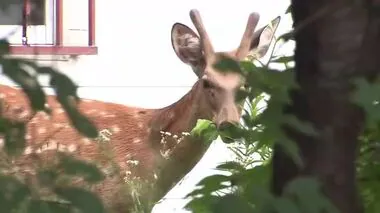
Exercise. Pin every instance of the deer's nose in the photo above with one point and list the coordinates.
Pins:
(225, 125)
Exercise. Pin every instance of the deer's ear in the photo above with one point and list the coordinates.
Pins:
(262, 39)
(187, 45)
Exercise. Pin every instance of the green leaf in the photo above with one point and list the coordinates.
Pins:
(67, 96)
(202, 125)
(305, 189)
(4, 123)
(231, 166)
(291, 148)
(71, 166)
(248, 121)
(47, 177)
(61, 83)
(273, 82)
(213, 179)
(367, 96)
(41, 206)
(289, 9)
(232, 203)
(258, 175)
(285, 205)
(283, 59)
(301, 126)
(28, 83)
(230, 133)
(255, 105)
(201, 205)
(205, 129)
(15, 138)
(84, 201)
(12, 193)
(227, 64)
(226, 139)
(210, 184)
(241, 95)
(260, 196)
(81, 123)
(287, 36)
(247, 66)
(4, 47)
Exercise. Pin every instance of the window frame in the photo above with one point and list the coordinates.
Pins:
(58, 48)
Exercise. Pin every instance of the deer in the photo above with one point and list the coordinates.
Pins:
(150, 144)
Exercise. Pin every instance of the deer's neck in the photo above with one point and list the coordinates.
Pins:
(182, 115)
(179, 156)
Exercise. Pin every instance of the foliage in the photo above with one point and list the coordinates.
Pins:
(250, 173)
(249, 176)
(51, 189)
(245, 185)
(367, 97)
(141, 194)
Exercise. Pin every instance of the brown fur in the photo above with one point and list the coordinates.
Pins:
(135, 136)
(136, 133)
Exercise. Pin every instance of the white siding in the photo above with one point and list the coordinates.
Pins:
(75, 24)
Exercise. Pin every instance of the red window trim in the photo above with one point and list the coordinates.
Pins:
(58, 48)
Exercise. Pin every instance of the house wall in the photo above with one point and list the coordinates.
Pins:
(136, 65)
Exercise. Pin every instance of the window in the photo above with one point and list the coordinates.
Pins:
(29, 24)
(47, 27)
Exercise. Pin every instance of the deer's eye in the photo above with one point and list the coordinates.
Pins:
(245, 86)
(207, 84)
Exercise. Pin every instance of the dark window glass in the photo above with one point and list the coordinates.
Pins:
(13, 13)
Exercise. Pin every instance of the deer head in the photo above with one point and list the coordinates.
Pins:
(218, 89)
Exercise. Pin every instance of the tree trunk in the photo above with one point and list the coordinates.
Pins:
(336, 40)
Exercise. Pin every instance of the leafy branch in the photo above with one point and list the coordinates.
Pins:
(44, 190)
